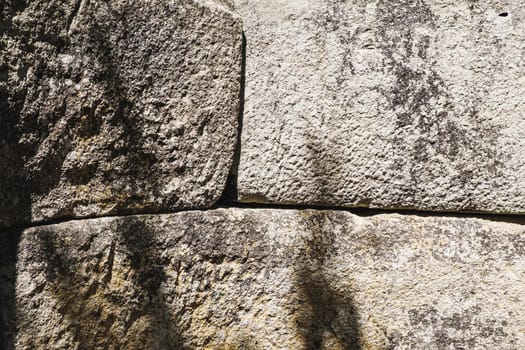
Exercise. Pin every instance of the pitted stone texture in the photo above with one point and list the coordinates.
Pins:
(115, 106)
(271, 279)
(392, 104)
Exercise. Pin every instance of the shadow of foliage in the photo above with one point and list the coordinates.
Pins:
(15, 202)
(118, 305)
(145, 259)
(326, 312)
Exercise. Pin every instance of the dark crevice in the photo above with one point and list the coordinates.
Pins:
(504, 14)
(8, 258)
(230, 191)
(122, 214)
(363, 212)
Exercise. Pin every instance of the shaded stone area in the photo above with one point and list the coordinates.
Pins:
(8, 258)
(115, 107)
(131, 315)
(328, 318)
(385, 104)
(269, 279)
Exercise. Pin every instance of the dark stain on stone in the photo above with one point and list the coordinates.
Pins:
(89, 123)
(4, 69)
(412, 97)
(333, 20)
(325, 165)
(461, 330)
(518, 248)
(413, 89)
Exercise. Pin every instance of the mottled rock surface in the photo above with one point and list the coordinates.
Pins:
(391, 104)
(267, 279)
(115, 106)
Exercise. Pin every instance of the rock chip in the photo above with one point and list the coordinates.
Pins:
(391, 104)
(113, 107)
(266, 279)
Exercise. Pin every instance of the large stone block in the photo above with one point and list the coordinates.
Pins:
(266, 279)
(115, 106)
(391, 104)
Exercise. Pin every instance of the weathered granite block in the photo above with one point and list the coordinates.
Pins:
(392, 104)
(267, 279)
(115, 106)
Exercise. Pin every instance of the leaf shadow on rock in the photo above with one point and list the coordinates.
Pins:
(15, 202)
(40, 128)
(144, 253)
(326, 312)
(118, 107)
(107, 303)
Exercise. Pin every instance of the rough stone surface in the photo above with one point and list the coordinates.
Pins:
(267, 279)
(115, 106)
(392, 104)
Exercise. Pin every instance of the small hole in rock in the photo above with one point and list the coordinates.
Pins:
(504, 14)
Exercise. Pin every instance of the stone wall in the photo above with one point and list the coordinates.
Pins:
(262, 174)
